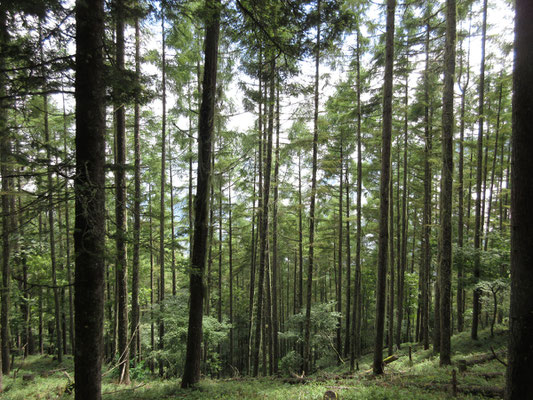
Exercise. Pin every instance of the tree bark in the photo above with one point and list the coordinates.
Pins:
(310, 267)
(135, 309)
(89, 183)
(447, 182)
(477, 225)
(205, 133)
(120, 206)
(263, 233)
(519, 384)
(161, 296)
(384, 190)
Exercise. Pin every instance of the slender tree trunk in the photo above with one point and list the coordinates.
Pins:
(519, 384)
(356, 327)
(263, 234)
(307, 330)
(493, 169)
(172, 230)
(252, 274)
(477, 227)
(5, 150)
(402, 255)
(152, 287)
(460, 223)
(339, 261)
(57, 308)
(135, 309)
(89, 181)
(161, 298)
(447, 182)
(120, 207)
(349, 322)
(390, 333)
(205, 133)
(384, 190)
(275, 258)
(426, 248)
(230, 251)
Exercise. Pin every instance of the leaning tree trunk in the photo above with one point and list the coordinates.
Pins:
(519, 384)
(89, 185)
(384, 190)
(201, 204)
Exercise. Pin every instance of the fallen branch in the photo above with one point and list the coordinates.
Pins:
(496, 357)
(124, 390)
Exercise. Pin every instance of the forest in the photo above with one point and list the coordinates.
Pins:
(266, 199)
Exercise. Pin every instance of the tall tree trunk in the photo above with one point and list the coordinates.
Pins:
(120, 206)
(53, 261)
(447, 182)
(460, 222)
(172, 229)
(519, 384)
(230, 251)
(5, 144)
(349, 322)
(402, 255)
(426, 249)
(339, 261)
(89, 183)
(205, 133)
(161, 298)
(390, 333)
(263, 234)
(493, 168)
(356, 327)
(275, 258)
(307, 330)
(384, 189)
(477, 225)
(152, 287)
(135, 309)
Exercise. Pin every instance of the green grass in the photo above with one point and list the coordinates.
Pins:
(422, 379)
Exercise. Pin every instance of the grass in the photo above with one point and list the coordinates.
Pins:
(422, 379)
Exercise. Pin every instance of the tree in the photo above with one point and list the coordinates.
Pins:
(384, 189)
(519, 384)
(201, 207)
(4, 152)
(445, 271)
(310, 266)
(120, 205)
(89, 184)
(476, 310)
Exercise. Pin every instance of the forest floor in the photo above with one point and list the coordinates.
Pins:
(40, 377)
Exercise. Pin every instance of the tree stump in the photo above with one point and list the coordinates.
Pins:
(331, 395)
